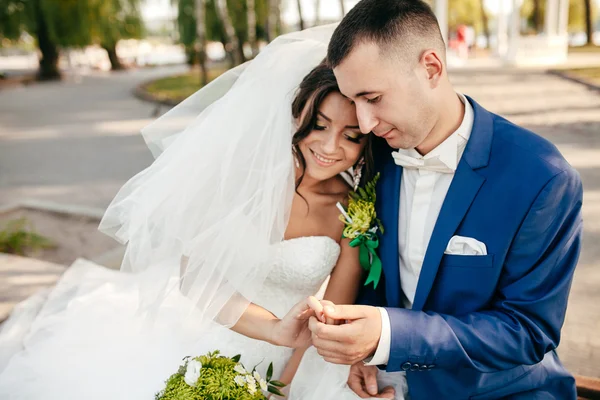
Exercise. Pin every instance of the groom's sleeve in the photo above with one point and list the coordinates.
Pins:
(382, 353)
(527, 311)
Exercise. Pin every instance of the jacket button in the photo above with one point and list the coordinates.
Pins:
(432, 366)
(406, 366)
(414, 367)
(423, 368)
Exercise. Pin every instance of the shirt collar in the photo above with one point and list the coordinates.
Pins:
(450, 150)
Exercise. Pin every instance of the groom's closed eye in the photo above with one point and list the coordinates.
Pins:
(374, 100)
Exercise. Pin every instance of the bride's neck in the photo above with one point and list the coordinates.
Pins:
(309, 184)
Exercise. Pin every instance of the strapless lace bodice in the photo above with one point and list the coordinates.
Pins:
(298, 268)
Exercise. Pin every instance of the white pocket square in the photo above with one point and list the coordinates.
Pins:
(465, 246)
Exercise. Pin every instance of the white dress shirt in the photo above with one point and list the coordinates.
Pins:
(425, 183)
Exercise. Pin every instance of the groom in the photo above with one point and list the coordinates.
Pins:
(482, 226)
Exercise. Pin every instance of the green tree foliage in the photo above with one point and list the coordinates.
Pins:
(464, 12)
(45, 21)
(57, 24)
(577, 15)
(112, 20)
(186, 21)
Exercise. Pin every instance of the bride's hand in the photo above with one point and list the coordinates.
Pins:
(292, 330)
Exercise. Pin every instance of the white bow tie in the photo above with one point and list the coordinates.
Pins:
(430, 164)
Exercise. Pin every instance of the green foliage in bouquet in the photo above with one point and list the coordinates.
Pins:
(215, 377)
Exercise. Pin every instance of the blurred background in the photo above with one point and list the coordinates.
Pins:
(80, 78)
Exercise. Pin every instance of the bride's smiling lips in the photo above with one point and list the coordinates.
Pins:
(322, 160)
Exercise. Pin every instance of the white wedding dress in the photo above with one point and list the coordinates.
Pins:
(86, 341)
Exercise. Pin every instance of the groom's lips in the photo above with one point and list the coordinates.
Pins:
(385, 135)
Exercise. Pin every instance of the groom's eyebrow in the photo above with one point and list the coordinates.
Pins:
(366, 93)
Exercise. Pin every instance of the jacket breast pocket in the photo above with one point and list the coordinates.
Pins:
(460, 261)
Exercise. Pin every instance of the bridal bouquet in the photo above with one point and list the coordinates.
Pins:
(215, 377)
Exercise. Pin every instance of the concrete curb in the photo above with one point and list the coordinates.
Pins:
(111, 258)
(48, 206)
(12, 82)
(141, 93)
(565, 75)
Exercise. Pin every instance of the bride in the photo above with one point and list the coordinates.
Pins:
(228, 233)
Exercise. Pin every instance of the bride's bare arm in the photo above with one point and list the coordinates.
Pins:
(346, 277)
(342, 289)
(257, 323)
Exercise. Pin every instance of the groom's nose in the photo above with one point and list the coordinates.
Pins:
(366, 120)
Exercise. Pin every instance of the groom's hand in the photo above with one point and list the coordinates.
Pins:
(351, 342)
(363, 381)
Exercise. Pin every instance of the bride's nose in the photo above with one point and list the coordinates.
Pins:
(330, 144)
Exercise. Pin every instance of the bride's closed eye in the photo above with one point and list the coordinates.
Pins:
(354, 137)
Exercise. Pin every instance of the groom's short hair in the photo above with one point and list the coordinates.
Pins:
(398, 27)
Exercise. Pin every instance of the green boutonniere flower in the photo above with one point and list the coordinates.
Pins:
(362, 225)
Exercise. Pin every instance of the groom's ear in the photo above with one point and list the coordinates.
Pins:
(434, 67)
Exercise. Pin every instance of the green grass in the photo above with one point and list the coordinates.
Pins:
(18, 237)
(591, 75)
(179, 87)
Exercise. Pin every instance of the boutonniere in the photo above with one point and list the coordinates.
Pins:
(362, 226)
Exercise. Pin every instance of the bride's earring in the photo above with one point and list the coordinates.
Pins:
(295, 155)
(358, 168)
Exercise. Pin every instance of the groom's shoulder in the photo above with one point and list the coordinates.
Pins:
(523, 149)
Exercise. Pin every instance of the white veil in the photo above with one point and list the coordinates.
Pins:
(203, 217)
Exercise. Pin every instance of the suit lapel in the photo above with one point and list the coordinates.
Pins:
(465, 185)
(388, 198)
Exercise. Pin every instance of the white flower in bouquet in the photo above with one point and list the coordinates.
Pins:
(240, 369)
(250, 379)
(251, 388)
(240, 380)
(256, 376)
(192, 373)
(263, 385)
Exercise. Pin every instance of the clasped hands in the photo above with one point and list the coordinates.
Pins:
(342, 334)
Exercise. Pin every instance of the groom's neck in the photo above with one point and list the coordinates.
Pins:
(452, 112)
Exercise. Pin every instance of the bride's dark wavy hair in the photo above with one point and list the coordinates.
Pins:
(313, 89)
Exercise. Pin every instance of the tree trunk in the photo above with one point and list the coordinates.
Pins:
(115, 63)
(49, 61)
(300, 16)
(240, 49)
(485, 22)
(201, 39)
(589, 23)
(233, 44)
(251, 10)
(317, 12)
(273, 20)
(342, 8)
(537, 15)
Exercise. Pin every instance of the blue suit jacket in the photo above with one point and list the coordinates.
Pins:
(485, 327)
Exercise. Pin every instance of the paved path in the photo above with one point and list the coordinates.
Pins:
(22, 277)
(568, 114)
(74, 142)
